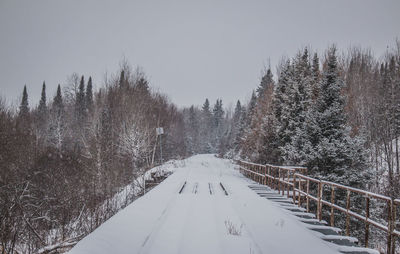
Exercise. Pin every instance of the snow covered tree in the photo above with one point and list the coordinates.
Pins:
(266, 81)
(24, 106)
(89, 96)
(42, 109)
(57, 126)
(80, 103)
(205, 128)
(299, 95)
(316, 76)
(333, 154)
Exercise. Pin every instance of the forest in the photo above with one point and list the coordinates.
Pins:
(62, 162)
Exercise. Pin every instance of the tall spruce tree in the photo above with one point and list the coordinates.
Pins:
(266, 81)
(80, 103)
(42, 109)
(333, 155)
(299, 98)
(218, 116)
(24, 106)
(206, 128)
(57, 122)
(58, 101)
(316, 76)
(89, 96)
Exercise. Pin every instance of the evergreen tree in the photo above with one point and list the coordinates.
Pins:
(284, 96)
(58, 101)
(218, 114)
(266, 81)
(193, 131)
(251, 108)
(333, 154)
(89, 96)
(80, 103)
(238, 113)
(57, 122)
(24, 107)
(217, 127)
(143, 86)
(316, 76)
(206, 107)
(122, 80)
(299, 101)
(42, 109)
(206, 128)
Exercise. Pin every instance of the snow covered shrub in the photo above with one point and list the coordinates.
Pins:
(232, 228)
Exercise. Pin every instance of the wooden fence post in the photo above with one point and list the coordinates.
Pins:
(390, 248)
(299, 198)
(366, 221)
(279, 180)
(294, 188)
(288, 185)
(332, 209)
(347, 213)
(307, 198)
(319, 201)
(393, 226)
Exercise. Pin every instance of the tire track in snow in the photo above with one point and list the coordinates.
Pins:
(147, 243)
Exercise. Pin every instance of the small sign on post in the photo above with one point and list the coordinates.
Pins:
(160, 131)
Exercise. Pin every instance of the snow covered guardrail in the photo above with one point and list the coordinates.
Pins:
(304, 190)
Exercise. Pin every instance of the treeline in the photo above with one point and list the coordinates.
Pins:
(336, 114)
(63, 161)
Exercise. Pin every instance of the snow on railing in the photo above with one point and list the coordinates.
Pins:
(294, 181)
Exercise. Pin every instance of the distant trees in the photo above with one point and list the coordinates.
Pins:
(63, 161)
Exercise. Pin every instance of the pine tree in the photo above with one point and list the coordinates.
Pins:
(42, 109)
(333, 154)
(299, 98)
(206, 128)
(251, 108)
(238, 112)
(89, 96)
(58, 101)
(122, 80)
(284, 97)
(316, 76)
(57, 122)
(206, 107)
(218, 116)
(24, 107)
(266, 81)
(193, 131)
(80, 103)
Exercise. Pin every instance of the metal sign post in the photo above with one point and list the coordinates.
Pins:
(159, 132)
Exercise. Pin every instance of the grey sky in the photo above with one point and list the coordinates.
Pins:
(189, 49)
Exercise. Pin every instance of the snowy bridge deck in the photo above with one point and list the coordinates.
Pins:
(198, 209)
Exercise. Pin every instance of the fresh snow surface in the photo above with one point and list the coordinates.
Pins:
(195, 221)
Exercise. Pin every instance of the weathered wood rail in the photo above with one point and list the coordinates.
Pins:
(293, 182)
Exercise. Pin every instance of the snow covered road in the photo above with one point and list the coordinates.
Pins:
(202, 218)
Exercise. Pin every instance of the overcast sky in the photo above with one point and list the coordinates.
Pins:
(190, 50)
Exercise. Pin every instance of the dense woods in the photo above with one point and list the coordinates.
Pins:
(62, 162)
(337, 114)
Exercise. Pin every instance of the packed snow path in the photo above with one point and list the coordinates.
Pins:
(206, 206)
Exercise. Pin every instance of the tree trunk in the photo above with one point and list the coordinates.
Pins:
(397, 156)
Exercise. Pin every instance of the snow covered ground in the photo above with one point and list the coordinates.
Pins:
(202, 218)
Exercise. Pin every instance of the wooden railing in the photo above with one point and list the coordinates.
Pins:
(294, 182)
